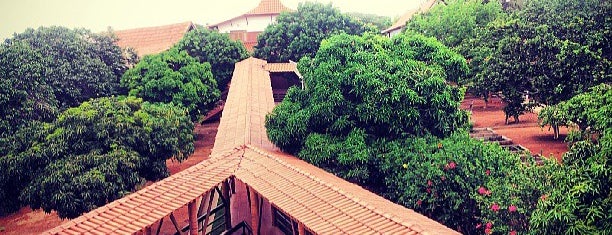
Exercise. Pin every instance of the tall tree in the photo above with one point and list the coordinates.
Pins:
(297, 34)
(360, 90)
(173, 77)
(215, 48)
(25, 95)
(95, 153)
(80, 65)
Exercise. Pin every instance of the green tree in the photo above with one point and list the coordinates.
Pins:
(590, 111)
(79, 65)
(379, 22)
(580, 200)
(551, 49)
(173, 77)
(215, 48)
(24, 94)
(364, 89)
(456, 22)
(297, 34)
(96, 153)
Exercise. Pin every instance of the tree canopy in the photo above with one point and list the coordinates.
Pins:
(79, 65)
(25, 95)
(580, 201)
(359, 90)
(215, 48)
(457, 22)
(95, 153)
(173, 77)
(297, 34)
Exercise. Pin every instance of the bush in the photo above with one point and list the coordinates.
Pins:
(215, 48)
(173, 77)
(463, 183)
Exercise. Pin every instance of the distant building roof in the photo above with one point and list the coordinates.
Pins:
(281, 67)
(151, 40)
(265, 7)
(322, 202)
(401, 22)
(268, 7)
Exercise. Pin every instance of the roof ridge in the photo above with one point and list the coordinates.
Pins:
(331, 186)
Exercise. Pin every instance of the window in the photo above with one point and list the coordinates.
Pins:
(283, 222)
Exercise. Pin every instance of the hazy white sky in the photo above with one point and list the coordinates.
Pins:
(97, 15)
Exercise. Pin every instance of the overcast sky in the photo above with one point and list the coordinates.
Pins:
(97, 15)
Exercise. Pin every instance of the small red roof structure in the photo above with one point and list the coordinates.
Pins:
(318, 202)
(401, 22)
(267, 7)
(246, 27)
(152, 40)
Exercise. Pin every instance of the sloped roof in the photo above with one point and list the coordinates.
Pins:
(268, 7)
(265, 7)
(151, 40)
(401, 22)
(248, 101)
(134, 212)
(281, 67)
(324, 203)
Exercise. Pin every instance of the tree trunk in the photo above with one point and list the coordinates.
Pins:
(556, 131)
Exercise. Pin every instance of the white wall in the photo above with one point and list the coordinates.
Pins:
(249, 23)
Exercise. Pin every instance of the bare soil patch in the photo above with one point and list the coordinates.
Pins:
(526, 133)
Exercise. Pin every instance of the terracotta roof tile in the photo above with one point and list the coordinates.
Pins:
(152, 40)
(248, 101)
(268, 7)
(281, 67)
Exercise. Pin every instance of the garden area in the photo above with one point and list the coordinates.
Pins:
(85, 122)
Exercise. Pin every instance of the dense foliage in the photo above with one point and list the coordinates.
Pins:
(297, 34)
(173, 77)
(580, 200)
(380, 23)
(362, 89)
(469, 186)
(25, 95)
(589, 111)
(552, 51)
(215, 48)
(457, 22)
(79, 65)
(95, 153)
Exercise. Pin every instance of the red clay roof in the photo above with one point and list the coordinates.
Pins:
(324, 203)
(401, 22)
(265, 7)
(248, 101)
(268, 7)
(152, 40)
(138, 210)
(281, 67)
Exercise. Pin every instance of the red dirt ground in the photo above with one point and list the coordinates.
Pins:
(526, 133)
(26, 221)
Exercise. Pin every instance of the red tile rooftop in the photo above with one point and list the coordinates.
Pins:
(152, 40)
(268, 7)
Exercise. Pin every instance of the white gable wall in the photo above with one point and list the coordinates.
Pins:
(255, 23)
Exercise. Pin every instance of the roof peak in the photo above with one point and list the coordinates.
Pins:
(268, 7)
